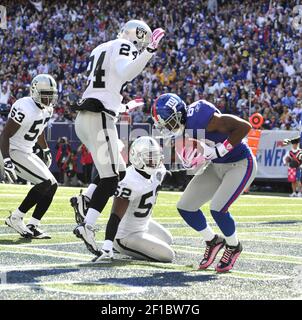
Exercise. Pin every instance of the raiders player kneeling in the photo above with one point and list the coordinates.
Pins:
(130, 228)
(25, 127)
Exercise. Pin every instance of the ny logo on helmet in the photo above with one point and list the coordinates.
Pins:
(172, 103)
(140, 33)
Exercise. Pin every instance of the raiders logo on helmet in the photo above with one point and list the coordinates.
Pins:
(140, 33)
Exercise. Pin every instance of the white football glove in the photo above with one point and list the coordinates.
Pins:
(47, 157)
(131, 105)
(9, 169)
(218, 151)
(157, 35)
(190, 158)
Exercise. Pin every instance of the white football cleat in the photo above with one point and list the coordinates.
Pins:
(86, 232)
(80, 205)
(18, 225)
(105, 255)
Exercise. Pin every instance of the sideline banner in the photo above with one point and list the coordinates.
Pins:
(271, 153)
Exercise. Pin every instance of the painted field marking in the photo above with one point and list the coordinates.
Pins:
(250, 255)
(128, 289)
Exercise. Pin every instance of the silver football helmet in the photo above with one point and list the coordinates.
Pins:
(137, 32)
(145, 154)
(43, 90)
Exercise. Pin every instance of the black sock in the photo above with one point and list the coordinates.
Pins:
(34, 196)
(112, 226)
(103, 192)
(43, 205)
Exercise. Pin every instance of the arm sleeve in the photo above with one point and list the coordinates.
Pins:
(126, 67)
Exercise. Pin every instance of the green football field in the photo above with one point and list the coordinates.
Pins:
(270, 266)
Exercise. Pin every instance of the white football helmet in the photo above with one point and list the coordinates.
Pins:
(137, 32)
(145, 154)
(43, 90)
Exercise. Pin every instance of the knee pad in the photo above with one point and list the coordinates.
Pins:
(109, 185)
(225, 222)
(43, 187)
(195, 219)
(52, 190)
(96, 180)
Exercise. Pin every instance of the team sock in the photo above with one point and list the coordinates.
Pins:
(197, 221)
(107, 245)
(33, 221)
(18, 213)
(92, 216)
(227, 226)
(90, 190)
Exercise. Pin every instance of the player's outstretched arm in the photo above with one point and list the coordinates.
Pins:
(127, 68)
(233, 126)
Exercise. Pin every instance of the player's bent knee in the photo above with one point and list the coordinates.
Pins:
(43, 187)
(109, 185)
(167, 256)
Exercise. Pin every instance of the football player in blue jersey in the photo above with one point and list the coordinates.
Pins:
(231, 169)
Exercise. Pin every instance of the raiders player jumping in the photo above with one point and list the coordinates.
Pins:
(130, 226)
(25, 126)
(111, 66)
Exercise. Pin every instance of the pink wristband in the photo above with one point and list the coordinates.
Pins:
(227, 145)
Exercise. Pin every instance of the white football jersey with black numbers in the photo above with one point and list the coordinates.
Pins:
(32, 120)
(104, 81)
(142, 194)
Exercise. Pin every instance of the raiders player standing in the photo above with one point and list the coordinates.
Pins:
(25, 126)
(111, 66)
(130, 226)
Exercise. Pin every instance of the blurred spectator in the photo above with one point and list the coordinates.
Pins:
(63, 155)
(223, 51)
(86, 162)
(70, 170)
(4, 96)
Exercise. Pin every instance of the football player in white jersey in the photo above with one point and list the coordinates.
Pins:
(27, 120)
(130, 226)
(111, 66)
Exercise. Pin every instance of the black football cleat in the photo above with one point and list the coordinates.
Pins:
(212, 249)
(229, 258)
(37, 232)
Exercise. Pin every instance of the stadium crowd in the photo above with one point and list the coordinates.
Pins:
(244, 56)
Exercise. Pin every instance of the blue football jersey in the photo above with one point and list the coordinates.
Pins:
(199, 115)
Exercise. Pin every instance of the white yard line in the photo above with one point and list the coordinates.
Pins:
(33, 285)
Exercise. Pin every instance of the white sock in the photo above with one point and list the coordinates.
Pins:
(232, 240)
(207, 233)
(107, 245)
(92, 216)
(90, 190)
(19, 214)
(34, 221)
